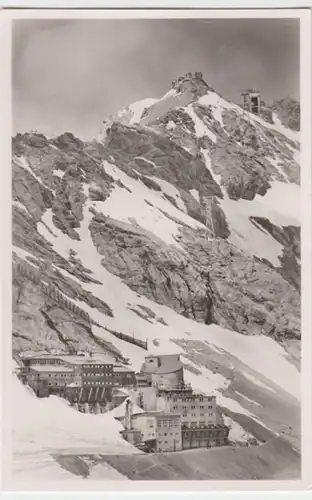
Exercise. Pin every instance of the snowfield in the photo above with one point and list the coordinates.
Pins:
(149, 217)
(138, 108)
(281, 205)
(237, 434)
(195, 194)
(200, 128)
(172, 191)
(50, 424)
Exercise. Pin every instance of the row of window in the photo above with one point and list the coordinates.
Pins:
(165, 442)
(193, 407)
(55, 377)
(169, 434)
(186, 415)
(98, 382)
(99, 374)
(194, 424)
(57, 374)
(167, 423)
(192, 399)
(203, 435)
(109, 367)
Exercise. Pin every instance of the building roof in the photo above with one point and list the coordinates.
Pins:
(37, 355)
(99, 358)
(176, 389)
(51, 368)
(250, 91)
(122, 369)
(169, 363)
(82, 360)
(156, 414)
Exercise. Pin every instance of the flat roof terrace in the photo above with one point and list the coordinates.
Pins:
(51, 368)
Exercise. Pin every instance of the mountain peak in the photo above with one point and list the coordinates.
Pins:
(191, 82)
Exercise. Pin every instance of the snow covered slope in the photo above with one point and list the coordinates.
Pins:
(50, 426)
(180, 225)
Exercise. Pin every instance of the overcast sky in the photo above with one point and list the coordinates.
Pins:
(69, 75)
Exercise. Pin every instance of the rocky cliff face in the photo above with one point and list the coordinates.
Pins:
(288, 111)
(182, 205)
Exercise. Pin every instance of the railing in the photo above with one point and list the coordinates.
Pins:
(53, 293)
(50, 290)
(125, 337)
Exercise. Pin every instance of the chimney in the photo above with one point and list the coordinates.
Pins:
(128, 414)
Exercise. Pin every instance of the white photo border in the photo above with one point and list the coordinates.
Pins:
(113, 488)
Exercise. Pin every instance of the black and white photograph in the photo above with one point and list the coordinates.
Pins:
(156, 249)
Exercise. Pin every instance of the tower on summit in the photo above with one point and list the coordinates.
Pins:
(193, 82)
(252, 101)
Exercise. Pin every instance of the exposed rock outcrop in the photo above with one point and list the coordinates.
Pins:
(212, 283)
(288, 111)
(201, 149)
(289, 237)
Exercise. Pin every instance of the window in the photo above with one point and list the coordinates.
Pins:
(202, 414)
(193, 407)
(202, 407)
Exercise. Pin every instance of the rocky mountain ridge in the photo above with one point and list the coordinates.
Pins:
(199, 159)
(177, 229)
